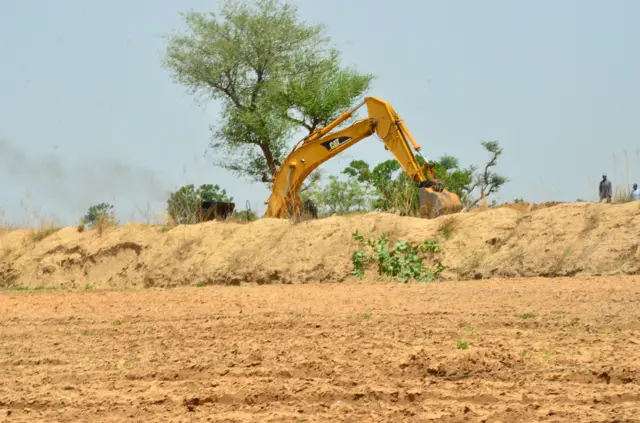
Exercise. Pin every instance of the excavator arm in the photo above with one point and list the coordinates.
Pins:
(322, 145)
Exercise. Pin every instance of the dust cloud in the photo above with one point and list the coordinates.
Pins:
(76, 186)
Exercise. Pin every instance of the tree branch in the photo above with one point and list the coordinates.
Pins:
(314, 125)
(269, 158)
(231, 89)
(492, 162)
(256, 88)
(299, 122)
(230, 93)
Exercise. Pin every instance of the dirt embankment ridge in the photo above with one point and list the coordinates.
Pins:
(564, 240)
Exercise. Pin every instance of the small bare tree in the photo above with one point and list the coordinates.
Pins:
(487, 182)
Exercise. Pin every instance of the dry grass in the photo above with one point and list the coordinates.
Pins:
(104, 222)
(405, 201)
(47, 227)
(164, 222)
(44, 231)
(5, 225)
(448, 227)
(622, 195)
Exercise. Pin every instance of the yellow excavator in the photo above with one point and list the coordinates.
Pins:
(321, 145)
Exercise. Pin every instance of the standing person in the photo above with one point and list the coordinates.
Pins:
(635, 194)
(605, 189)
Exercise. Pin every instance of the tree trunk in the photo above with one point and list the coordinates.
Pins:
(269, 158)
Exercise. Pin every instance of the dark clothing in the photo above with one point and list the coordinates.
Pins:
(605, 190)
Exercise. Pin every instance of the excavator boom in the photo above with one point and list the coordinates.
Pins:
(322, 144)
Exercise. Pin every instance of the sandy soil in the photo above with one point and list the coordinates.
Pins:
(583, 239)
(562, 350)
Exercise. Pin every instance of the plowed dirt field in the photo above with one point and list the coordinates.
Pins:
(518, 350)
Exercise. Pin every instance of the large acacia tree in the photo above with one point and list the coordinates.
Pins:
(273, 74)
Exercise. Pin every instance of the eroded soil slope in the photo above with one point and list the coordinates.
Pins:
(566, 239)
(561, 350)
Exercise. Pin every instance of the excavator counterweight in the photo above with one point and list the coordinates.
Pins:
(322, 144)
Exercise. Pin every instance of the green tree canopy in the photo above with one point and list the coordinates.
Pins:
(395, 191)
(339, 196)
(387, 186)
(273, 74)
(454, 178)
(210, 192)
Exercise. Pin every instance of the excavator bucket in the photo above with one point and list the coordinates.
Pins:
(435, 200)
(438, 203)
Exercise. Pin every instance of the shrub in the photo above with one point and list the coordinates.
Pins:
(183, 206)
(244, 216)
(403, 262)
(99, 216)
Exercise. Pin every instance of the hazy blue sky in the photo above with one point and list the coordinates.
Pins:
(88, 114)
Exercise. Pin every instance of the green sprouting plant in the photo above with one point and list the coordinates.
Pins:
(360, 259)
(462, 345)
(403, 261)
(430, 246)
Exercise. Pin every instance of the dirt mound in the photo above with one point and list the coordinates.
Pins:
(521, 206)
(566, 239)
(524, 206)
